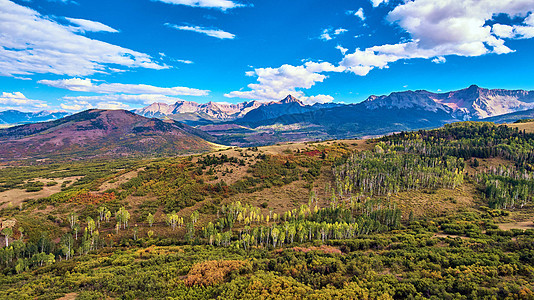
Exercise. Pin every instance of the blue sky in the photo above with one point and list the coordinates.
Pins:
(78, 54)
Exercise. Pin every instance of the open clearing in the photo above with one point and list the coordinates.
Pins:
(16, 196)
(528, 126)
(516, 225)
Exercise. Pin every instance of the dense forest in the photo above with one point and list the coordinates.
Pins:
(413, 215)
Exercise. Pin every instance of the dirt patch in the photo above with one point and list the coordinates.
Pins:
(444, 235)
(117, 181)
(516, 225)
(278, 198)
(323, 248)
(485, 164)
(69, 296)
(15, 197)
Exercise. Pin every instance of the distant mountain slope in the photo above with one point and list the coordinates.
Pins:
(355, 120)
(96, 133)
(478, 103)
(19, 117)
(512, 117)
(472, 103)
(288, 106)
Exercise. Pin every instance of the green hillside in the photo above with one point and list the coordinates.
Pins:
(437, 214)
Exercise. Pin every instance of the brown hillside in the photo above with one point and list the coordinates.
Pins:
(97, 133)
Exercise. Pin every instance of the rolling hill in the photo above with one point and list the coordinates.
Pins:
(96, 133)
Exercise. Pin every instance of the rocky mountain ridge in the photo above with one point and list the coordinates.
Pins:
(472, 103)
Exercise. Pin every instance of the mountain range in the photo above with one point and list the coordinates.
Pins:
(472, 103)
(96, 133)
(19, 117)
(291, 120)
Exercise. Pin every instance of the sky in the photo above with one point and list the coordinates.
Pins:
(74, 55)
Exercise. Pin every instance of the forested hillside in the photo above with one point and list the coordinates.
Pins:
(438, 214)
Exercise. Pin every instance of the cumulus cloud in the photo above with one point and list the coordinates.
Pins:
(18, 101)
(276, 83)
(329, 33)
(217, 4)
(78, 105)
(521, 31)
(376, 3)
(87, 85)
(439, 60)
(83, 25)
(114, 101)
(123, 98)
(216, 33)
(31, 43)
(448, 27)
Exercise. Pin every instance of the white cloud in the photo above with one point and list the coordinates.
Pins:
(325, 36)
(439, 60)
(18, 101)
(317, 99)
(115, 101)
(83, 25)
(329, 33)
(448, 27)
(503, 31)
(31, 43)
(276, 83)
(86, 85)
(361, 62)
(342, 49)
(78, 105)
(113, 105)
(340, 31)
(123, 98)
(216, 33)
(218, 4)
(185, 61)
(22, 78)
(376, 3)
(525, 31)
(360, 14)
(62, 1)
